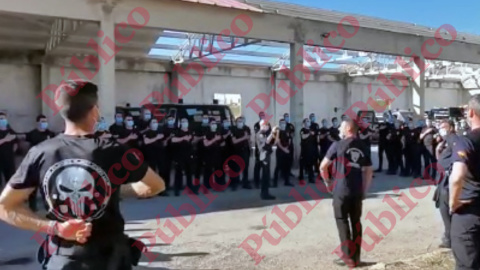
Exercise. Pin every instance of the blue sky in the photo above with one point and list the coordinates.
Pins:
(464, 15)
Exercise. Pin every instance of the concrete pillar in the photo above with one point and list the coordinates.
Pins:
(419, 85)
(296, 101)
(107, 90)
(173, 84)
(273, 86)
(347, 97)
(45, 81)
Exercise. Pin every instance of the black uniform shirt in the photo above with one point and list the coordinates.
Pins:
(315, 127)
(115, 130)
(124, 133)
(324, 143)
(153, 149)
(445, 158)
(335, 133)
(183, 149)
(142, 125)
(290, 128)
(349, 156)
(364, 132)
(36, 136)
(285, 139)
(237, 134)
(215, 147)
(80, 177)
(6, 149)
(309, 144)
(467, 150)
(383, 131)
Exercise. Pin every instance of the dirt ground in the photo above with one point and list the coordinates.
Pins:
(438, 260)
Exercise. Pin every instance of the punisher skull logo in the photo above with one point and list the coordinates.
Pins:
(75, 184)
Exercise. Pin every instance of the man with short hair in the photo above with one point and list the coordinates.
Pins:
(353, 176)
(8, 147)
(444, 156)
(465, 193)
(82, 177)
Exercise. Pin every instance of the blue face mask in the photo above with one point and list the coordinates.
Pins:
(283, 126)
(129, 123)
(147, 116)
(287, 119)
(313, 118)
(213, 128)
(226, 125)
(240, 125)
(102, 126)
(335, 123)
(307, 124)
(119, 120)
(43, 125)
(3, 123)
(171, 122)
(184, 125)
(154, 126)
(324, 123)
(205, 121)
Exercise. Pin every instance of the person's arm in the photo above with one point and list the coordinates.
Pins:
(207, 142)
(304, 136)
(176, 139)
(367, 172)
(150, 185)
(148, 141)
(327, 160)
(462, 152)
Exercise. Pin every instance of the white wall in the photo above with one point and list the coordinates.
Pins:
(20, 84)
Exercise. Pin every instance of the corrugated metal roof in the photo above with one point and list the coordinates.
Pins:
(226, 4)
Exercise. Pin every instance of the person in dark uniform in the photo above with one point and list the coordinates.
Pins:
(464, 188)
(227, 151)
(85, 231)
(366, 135)
(264, 141)
(144, 123)
(256, 127)
(393, 148)
(444, 156)
(168, 132)
(353, 177)
(8, 147)
(314, 125)
(334, 133)
(35, 137)
(428, 152)
(258, 163)
(117, 127)
(324, 143)
(383, 131)
(213, 161)
(182, 155)
(417, 147)
(290, 128)
(241, 147)
(129, 135)
(283, 140)
(308, 155)
(407, 151)
(154, 148)
(199, 150)
(246, 178)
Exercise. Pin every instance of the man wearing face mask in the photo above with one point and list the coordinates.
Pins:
(182, 149)
(130, 135)
(227, 149)
(118, 127)
(407, 152)
(213, 162)
(323, 140)
(314, 125)
(351, 184)
(264, 140)
(85, 231)
(428, 152)
(334, 133)
(154, 150)
(35, 137)
(267, 130)
(241, 147)
(290, 128)
(308, 153)
(394, 148)
(143, 123)
(199, 150)
(102, 130)
(283, 140)
(444, 156)
(8, 147)
(464, 187)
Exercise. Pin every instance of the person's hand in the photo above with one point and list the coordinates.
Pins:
(74, 230)
(133, 136)
(218, 137)
(454, 205)
(160, 136)
(329, 186)
(10, 137)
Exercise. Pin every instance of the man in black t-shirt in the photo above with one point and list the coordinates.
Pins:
(323, 141)
(352, 175)
(129, 135)
(241, 147)
(117, 127)
(213, 160)
(35, 137)
(283, 140)
(464, 187)
(198, 148)
(8, 147)
(82, 178)
(182, 155)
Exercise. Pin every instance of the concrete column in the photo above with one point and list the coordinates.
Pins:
(45, 81)
(419, 85)
(273, 86)
(296, 101)
(173, 84)
(347, 97)
(107, 94)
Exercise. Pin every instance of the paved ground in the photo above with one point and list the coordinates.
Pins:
(211, 241)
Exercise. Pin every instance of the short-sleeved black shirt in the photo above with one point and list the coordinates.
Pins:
(237, 134)
(323, 142)
(309, 144)
(315, 127)
(142, 125)
(466, 149)
(215, 147)
(6, 149)
(364, 132)
(116, 130)
(154, 149)
(335, 133)
(285, 138)
(36, 136)
(182, 150)
(349, 156)
(134, 143)
(80, 177)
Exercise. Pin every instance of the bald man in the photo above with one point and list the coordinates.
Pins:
(353, 176)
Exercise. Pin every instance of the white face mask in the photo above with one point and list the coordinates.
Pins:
(443, 132)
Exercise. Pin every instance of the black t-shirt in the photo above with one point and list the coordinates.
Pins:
(309, 144)
(383, 130)
(154, 149)
(142, 126)
(335, 133)
(116, 130)
(134, 143)
(80, 177)
(315, 127)
(239, 133)
(466, 150)
(285, 138)
(365, 132)
(102, 133)
(36, 136)
(6, 149)
(215, 147)
(324, 142)
(349, 156)
(183, 149)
